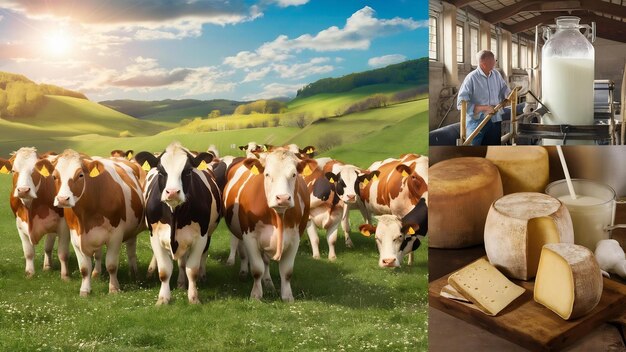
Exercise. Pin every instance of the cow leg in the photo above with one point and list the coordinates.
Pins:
(364, 212)
(257, 267)
(331, 237)
(63, 251)
(131, 253)
(345, 225)
(268, 284)
(286, 270)
(244, 259)
(112, 263)
(152, 267)
(47, 249)
(182, 275)
(202, 272)
(28, 248)
(97, 268)
(164, 264)
(234, 243)
(311, 230)
(193, 269)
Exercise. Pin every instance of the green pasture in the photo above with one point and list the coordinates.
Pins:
(347, 305)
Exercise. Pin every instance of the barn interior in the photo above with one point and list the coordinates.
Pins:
(517, 31)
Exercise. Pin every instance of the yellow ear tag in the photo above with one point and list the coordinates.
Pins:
(331, 181)
(254, 170)
(309, 151)
(404, 173)
(44, 171)
(94, 172)
(129, 156)
(202, 166)
(365, 182)
(146, 166)
(307, 171)
(366, 233)
(411, 231)
(4, 170)
(375, 178)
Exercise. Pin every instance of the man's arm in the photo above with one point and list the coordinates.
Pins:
(465, 93)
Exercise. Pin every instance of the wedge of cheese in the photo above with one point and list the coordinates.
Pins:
(569, 280)
(517, 227)
(461, 191)
(486, 287)
(522, 169)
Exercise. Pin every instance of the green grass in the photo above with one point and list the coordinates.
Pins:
(350, 305)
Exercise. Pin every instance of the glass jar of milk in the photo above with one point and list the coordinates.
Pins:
(592, 212)
(567, 73)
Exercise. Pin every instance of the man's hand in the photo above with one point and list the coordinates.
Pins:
(487, 109)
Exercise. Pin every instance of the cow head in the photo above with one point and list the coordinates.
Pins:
(252, 149)
(122, 154)
(391, 239)
(280, 173)
(71, 171)
(414, 182)
(174, 169)
(29, 172)
(350, 180)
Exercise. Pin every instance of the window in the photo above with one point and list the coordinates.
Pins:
(494, 48)
(514, 56)
(474, 45)
(432, 39)
(523, 56)
(459, 43)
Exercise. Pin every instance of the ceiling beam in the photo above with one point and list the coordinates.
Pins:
(605, 7)
(607, 28)
(522, 6)
(460, 3)
(532, 22)
(559, 6)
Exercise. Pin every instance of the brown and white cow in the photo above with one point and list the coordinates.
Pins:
(183, 208)
(395, 238)
(267, 207)
(31, 199)
(103, 205)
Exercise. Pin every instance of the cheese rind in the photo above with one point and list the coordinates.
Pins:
(569, 280)
(486, 287)
(522, 169)
(461, 191)
(517, 227)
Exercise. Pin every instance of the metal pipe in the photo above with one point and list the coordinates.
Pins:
(513, 116)
(463, 127)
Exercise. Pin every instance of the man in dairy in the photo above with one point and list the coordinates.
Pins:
(483, 88)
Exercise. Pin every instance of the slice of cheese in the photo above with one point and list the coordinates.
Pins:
(522, 169)
(486, 287)
(517, 227)
(569, 280)
(461, 191)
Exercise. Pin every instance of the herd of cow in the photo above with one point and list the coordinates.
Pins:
(268, 199)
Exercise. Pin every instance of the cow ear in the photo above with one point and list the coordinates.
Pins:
(254, 165)
(405, 170)
(243, 147)
(95, 168)
(5, 166)
(44, 167)
(367, 229)
(367, 178)
(129, 154)
(308, 151)
(201, 162)
(267, 147)
(410, 229)
(146, 160)
(306, 167)
(332, 178)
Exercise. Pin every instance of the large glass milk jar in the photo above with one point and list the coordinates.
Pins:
(567, 72)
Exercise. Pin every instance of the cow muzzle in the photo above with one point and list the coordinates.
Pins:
(24, 193)
(172, 197)
(282, 201)
(63, 202)
(350, 198)
(389, 263)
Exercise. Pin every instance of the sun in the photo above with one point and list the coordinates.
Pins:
(58, 43)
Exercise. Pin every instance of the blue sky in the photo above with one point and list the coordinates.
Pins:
(242, 50)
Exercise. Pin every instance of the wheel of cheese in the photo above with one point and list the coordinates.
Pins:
(522, 168)
(461, 191)
(569, 280)
(517, 227)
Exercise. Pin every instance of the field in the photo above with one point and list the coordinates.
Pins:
(347, 305)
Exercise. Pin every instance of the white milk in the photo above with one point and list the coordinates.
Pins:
(567, 90)
(590, 215)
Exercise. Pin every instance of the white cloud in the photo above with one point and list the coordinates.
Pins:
(286, 3)
(339, 59)
(386, 60)
(357, 34)
(257, 75)
(298, 71)
(275, 90)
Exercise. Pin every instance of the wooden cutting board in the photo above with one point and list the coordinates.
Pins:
(528, 323)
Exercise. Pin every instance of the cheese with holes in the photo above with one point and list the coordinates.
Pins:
(522, 169)
(569, 280)
(517, 227)
(486, 287)
(461, 191)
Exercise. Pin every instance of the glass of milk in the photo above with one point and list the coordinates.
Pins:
(592, 212)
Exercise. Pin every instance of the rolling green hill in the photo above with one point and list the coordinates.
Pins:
(170, 110)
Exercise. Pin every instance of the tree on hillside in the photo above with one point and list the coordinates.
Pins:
(214, 113)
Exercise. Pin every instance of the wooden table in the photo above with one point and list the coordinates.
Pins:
(447, 333)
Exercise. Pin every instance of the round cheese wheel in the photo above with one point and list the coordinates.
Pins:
(461, 191)
(517, 227)
(569, 280)
(522, 169)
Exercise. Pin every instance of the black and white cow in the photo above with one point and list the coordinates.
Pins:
(183, 208)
